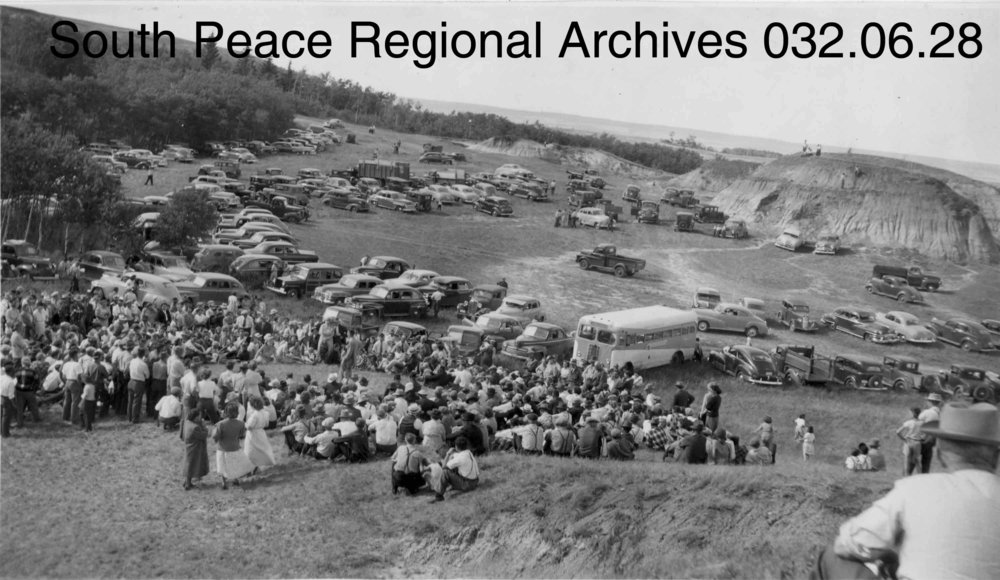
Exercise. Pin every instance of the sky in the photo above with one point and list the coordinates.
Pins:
(942, 107)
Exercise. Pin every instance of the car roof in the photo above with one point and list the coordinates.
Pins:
(546, 325)
(361, 277)
(449, 279)
(404, 324)
(751, 350)
(215, 276)
(520, 298)
(99, 253)
(418, 272)
(859, 359)
(796, 302)
(499, 316)
(318, 265)
(706, 290)
(901, 314)
(389, 259)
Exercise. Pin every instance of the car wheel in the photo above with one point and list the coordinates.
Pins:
(868, 337)
(791, 377)
(620, 271)
(399, 209)
(584, 264)
(870, 289)
(352, 209)
(496, 213)
(851, 382)
(743, 377)
(967, 345)
(752, 332)
(901, 297)
(702, 326)
(984, 394)
(899, 385)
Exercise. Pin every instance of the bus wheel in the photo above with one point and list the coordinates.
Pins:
(677, 359)
(702, 326)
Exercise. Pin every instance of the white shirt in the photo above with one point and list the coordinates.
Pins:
(169, 406)
(464, 464)
(72, 370)
(947, 525)
(138, 370)
(7, 387)
(189, 383)
(385, 431)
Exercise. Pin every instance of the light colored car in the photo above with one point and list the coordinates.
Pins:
(705, 297)
(417, 278)
(522, 307)
(349, 285)
(245, 156)
(592, 216)
(207, 286)
(731, 318)
(442, 194)
(170, 266)
(790, 239)
(393, 200)
(261, 237)
(150, 288)
(828, 245)
(908, 326)
(466, 194)
(496, 324)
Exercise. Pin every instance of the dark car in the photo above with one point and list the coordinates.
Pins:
(384, 267)
(345, 200)
(860, 323)
(963, 380)
(215, 258)
(495, 206)
(964, 333)
(254, 269)
(93, 265)
(301, 279)
(902, 373)
(396, 300)
(747, 363)
(456, 290)
(207, 286)
(540, 339)
(794, 314)
(894, 287)
(434, 157)
(24, 259)
(349, 285)
(857, 372)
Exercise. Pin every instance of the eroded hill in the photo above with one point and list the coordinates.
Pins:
(871, 201)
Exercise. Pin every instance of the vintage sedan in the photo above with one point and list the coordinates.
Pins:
(442, 194)
(300, 279)
(902, 373)
(894, 287)
(466, 193)
(95, 264)
(538, 340)
(462, 341)
(384, 267)
(908, 326)
(993, 326)
(395, 299)
(965, 333)
(261, 237)
(747, 363)
(524, 308)
(495, 206)
(794, 314)
(857, 372)
(255, 269)
(404, 331)
(731, 318)
(790, 239)
(366, 319)
(860, 323)
(287, 251)
(349, 285)
(149, 287)
(393, 200)
(345, 200)
(167, 265)
(733, 228)
(456, 290)
(828, 245)
(416, 278)
(487, 296)
(207, 286)
(706, 298)
(592, 216)
(500, 325)
(972, 382)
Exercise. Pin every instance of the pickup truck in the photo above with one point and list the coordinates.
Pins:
(913, 275)
(802, 364)
(605, 257)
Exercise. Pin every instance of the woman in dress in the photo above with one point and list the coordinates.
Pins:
(256, 445)
(195, 448)
(230, 460)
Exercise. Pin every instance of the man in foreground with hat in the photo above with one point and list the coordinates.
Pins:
(939, 525)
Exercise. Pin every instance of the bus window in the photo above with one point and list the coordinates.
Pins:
(605, 337)
(587, 331)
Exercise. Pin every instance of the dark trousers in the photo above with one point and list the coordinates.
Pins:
(157, 390)
(830, 566)
(293, 445)
(119, 400)
(136, 390)
(89, 413)
(170, 423)
(6, 415)
(926, 454)
(453, 480)
(104, 398)
(27, 399)
(411, 482)
(208, 408)
(71, 402)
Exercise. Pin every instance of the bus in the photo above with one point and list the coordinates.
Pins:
(647, 337)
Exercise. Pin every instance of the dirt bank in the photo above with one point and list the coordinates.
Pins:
(575, 158)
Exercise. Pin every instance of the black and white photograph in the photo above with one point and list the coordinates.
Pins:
(528, 289)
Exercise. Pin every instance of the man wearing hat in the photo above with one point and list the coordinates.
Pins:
(938, 525)
(682, 399)
(590, 438)
(930, 414)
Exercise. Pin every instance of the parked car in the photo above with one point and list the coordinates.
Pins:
(215, 257)
(710, 214)
(207, 286)
(860, 323)
(746, 363)
(684, 222)
(733, 228)
(384, 267)
(434, 157)
(345, 200)
(592, 216)
(24, 259)
(538, 340)
(95, 264)
(965, 333)
(790, 239)
(456, 290)
(254, 269)
(442, 194)
(488, 296)
(648, 212)
(170, 266)
(462, 341)
(499, 325)
(706, 298)
(395, 299)
(794, 314)
(287, 251)
(993, 326)
(393, 200)
(150, 288)
(914, 276)
(416, 278)
(301, 279)
(857, 372)
(902, 373)
(605, 257)
(730, 318)
(828, 245)
(968, 381)
(894, 287)
(908, 326)
(495, 206)
(349, 285)
(466, 194)
(522, 307)
(262, 237)
(365, 319)
(404, 331)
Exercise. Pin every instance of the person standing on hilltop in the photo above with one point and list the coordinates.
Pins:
(940, 525)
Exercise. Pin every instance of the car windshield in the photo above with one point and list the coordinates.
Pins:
(908, 321)
(380, 292)
(482, 295)
(973, 374)
(800, 308)
(536, 332)
(908, 366)
(297, 272)
(374, 263)
(865, 317)
(114, 261)
(516, 305)
(199, 281)
(29, 250)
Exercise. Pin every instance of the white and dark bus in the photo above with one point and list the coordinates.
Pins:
(647, 337)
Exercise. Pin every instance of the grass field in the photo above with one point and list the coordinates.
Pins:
(111, 503)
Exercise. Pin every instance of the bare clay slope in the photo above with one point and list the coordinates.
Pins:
(890, 204)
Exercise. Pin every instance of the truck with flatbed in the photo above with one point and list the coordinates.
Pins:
(913, 275)
(606, 258)
(802, 364)
(382, 169)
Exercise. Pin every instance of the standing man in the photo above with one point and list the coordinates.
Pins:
(683, 399)
(931, 413)
(73, 375)
(940, 525)
(149, 176)
(710, 406)
(909, 433)
(436, 298)
(157, 384)
(24, 393)
(138, 376)
(352, 352)
(7, 393)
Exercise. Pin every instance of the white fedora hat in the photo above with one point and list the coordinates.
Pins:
(978, 423)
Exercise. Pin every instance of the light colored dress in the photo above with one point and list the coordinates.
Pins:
(257, 446)
(808, 445)
(230, 460)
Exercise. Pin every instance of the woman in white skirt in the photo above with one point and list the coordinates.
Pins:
(256, 445)
(231, 461)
